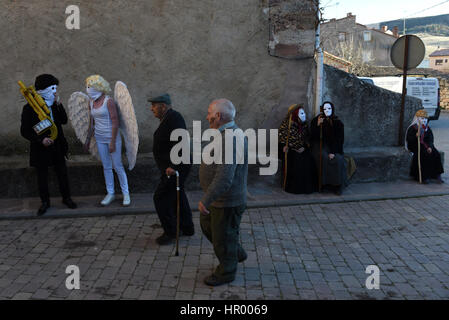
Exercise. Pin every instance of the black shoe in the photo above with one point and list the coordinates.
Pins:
(440, 180)
(164, 239)
(188, 232)
(242, 256)
(214, 281)
(69, 203)
(43, 208)
(338, 190)
(426, 181)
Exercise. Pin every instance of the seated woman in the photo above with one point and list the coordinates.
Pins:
(431, 167)
(331, 163)
(298, 166)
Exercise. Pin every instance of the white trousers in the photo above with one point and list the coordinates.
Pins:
(113, 160)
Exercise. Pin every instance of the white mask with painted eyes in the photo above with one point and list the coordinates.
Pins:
(48, 94)
(302, 115)
(423, 121)
(327, 110)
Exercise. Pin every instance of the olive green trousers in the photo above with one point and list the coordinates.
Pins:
(221, 227)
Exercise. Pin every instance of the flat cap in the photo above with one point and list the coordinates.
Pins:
(165, 98)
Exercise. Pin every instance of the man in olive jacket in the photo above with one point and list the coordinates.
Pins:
(224, 199)
(45, 152)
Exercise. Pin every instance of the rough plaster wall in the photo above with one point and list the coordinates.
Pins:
(370, 114)
(195, 50)
(298, 88)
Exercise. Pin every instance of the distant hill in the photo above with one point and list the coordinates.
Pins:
(433, 25)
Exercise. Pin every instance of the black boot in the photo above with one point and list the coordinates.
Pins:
(43, 208)
(188, 232)
(338, 190)
(69, 203)
(164, 239)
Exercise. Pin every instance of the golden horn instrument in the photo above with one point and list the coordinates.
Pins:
(38, 104)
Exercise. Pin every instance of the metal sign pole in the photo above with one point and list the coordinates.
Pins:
(404, 90)
(406, 53)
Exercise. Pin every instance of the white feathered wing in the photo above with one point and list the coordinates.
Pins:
(128, 122)
(79, 115)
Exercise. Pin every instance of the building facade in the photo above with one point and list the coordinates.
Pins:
(356, 43)
(439, 60)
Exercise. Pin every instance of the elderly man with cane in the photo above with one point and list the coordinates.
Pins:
(224, 200)
(165, 197)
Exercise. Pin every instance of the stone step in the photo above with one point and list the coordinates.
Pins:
(17, 179)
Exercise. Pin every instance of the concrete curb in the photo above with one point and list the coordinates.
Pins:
(252, 204)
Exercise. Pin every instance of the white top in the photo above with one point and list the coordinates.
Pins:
(103, 123)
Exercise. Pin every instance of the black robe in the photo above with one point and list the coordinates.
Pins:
(431, 166)
(41, 156)
(301, 170)
(333, 171)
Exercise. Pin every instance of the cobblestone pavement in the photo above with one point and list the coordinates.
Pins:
(317, 251)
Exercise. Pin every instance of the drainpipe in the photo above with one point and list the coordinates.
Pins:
(319, 58)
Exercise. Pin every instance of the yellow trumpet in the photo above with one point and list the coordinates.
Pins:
(38, 104)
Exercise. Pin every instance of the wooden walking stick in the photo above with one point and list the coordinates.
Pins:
(177, 213)
(419, 153)
(320, 172)
(285, 153)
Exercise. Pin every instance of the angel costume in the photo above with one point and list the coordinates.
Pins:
(431, 167)
(300, 176)
(103, 122)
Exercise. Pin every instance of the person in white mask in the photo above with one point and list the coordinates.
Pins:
(299, 173)
(45, 152)
(104, 125)
(431, 166)
(331, 165)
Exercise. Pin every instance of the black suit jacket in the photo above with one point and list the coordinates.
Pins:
(39, 154)
(162, 144)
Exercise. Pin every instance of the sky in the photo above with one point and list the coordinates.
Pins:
(374, 11)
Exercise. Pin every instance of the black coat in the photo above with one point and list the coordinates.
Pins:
(431, 166)
(333, 134)
(162, 144)
(39, 154)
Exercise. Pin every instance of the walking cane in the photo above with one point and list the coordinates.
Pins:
(177, 213)
(285, 153)
(320, 172)
(419, 153)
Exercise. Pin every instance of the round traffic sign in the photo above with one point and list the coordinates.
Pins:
(416, 52)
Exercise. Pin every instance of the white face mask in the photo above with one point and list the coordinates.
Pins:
(302, 115)
(93, 94)
(48, 94)
(423, 121)
(327, 110)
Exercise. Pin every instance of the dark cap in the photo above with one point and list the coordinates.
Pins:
(44, 81)
(165, 98)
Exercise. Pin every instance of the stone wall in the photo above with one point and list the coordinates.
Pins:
(370, 114)
(444, 93)
(292, 28)
(194, 50)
